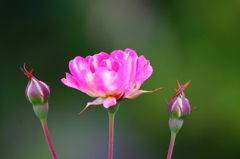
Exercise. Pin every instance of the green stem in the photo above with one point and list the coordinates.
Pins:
(111, 135)
(48, 138)
(171, 145)
(111, 113)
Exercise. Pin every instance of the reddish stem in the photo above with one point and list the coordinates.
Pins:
(48, 138)
(171, 145)
(111, 134)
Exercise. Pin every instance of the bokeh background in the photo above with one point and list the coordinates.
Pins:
(184, 40)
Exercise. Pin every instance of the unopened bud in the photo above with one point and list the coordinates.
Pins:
(37, 93)
(179, 107)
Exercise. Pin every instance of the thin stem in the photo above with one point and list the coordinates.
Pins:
(171, 145)
(111, 134)
(111, 113)
(48, 138)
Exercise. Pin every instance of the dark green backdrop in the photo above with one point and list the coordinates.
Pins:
(197, 40)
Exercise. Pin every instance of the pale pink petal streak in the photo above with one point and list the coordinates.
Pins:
(110, 101)
(96, 102)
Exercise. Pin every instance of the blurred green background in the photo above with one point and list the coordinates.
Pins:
(184, 40)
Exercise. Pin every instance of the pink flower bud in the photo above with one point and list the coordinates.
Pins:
(179, 107)
(109, 77)
(37, 92)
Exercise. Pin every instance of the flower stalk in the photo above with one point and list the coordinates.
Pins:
(111, 113)
(48, 138)
(171, 145)
(174, 125)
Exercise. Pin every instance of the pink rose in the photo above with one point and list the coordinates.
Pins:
(109, 77)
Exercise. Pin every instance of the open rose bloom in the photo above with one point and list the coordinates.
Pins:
(110, 78)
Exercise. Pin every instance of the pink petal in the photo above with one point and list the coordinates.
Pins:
(84, 76)
(133, 68)
(89, 61)
(125, 71)
(144, 69)
(110, 101)
(97, 59)
(115, 65)
(106, 63)
(141, 76)
(71, 81)
(133, 88)
(78, 63)
(96, 102)
(104, 55)
(88, 79)
(81, 72)
(186, 105)
(131, 52)
(76, 66)
(119, 55)
(108, 82)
